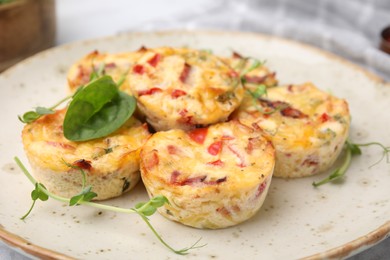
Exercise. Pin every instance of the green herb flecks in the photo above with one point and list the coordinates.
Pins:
(143, 209)
(352, 149)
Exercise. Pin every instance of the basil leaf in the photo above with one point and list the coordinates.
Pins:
(97, 110)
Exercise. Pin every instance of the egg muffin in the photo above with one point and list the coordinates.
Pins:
(116, 65)
(111, 164)
(213, 177)
(307, 126)
(184, 88)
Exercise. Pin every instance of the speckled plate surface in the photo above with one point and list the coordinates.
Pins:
(296, 221)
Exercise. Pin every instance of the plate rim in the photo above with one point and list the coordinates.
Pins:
(348, 249)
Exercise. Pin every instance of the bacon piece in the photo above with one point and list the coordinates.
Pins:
(290, 88)
(216, 163)
(227, 138)
(186, 71)
(198, 135)
(172, 149)
(139, 69)
(174, 176)
(272, 104)
(83, 74)
(62, 145)
(256, 127)
(178, 93)
(253, 143)
(218, 181)
(155, 60)
(239, 156)
(233, 74)
(186, 119)
(149, 91)
(110, 65)
(236, 55)
(215, 148)
(310, 162)
(293, 113)
(142, 49)
(94, 53)
(261, 189)
(83, 164)
(221, 179)
(194, 180)
(255, 79)
(152, 160)
(224, 211)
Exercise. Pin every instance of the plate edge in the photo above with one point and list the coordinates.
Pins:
(353, 247)
(15, 241)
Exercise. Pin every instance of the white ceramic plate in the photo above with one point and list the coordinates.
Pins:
(296, 221)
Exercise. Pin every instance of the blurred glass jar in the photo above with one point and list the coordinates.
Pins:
(385, 40)
(26, 27)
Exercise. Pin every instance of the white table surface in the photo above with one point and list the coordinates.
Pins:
(86, 19)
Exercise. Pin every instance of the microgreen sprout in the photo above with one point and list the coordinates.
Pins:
(386, 151)
(31, 116)
(86, 193)
(101, 71)
(243, 67)
(122, 79)
(97, 73)
(143, 209)
(36, 194)
(257, 94)
(253, 65)
(352, 149)
(260, 91)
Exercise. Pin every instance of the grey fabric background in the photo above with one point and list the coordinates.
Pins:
(348, 28)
